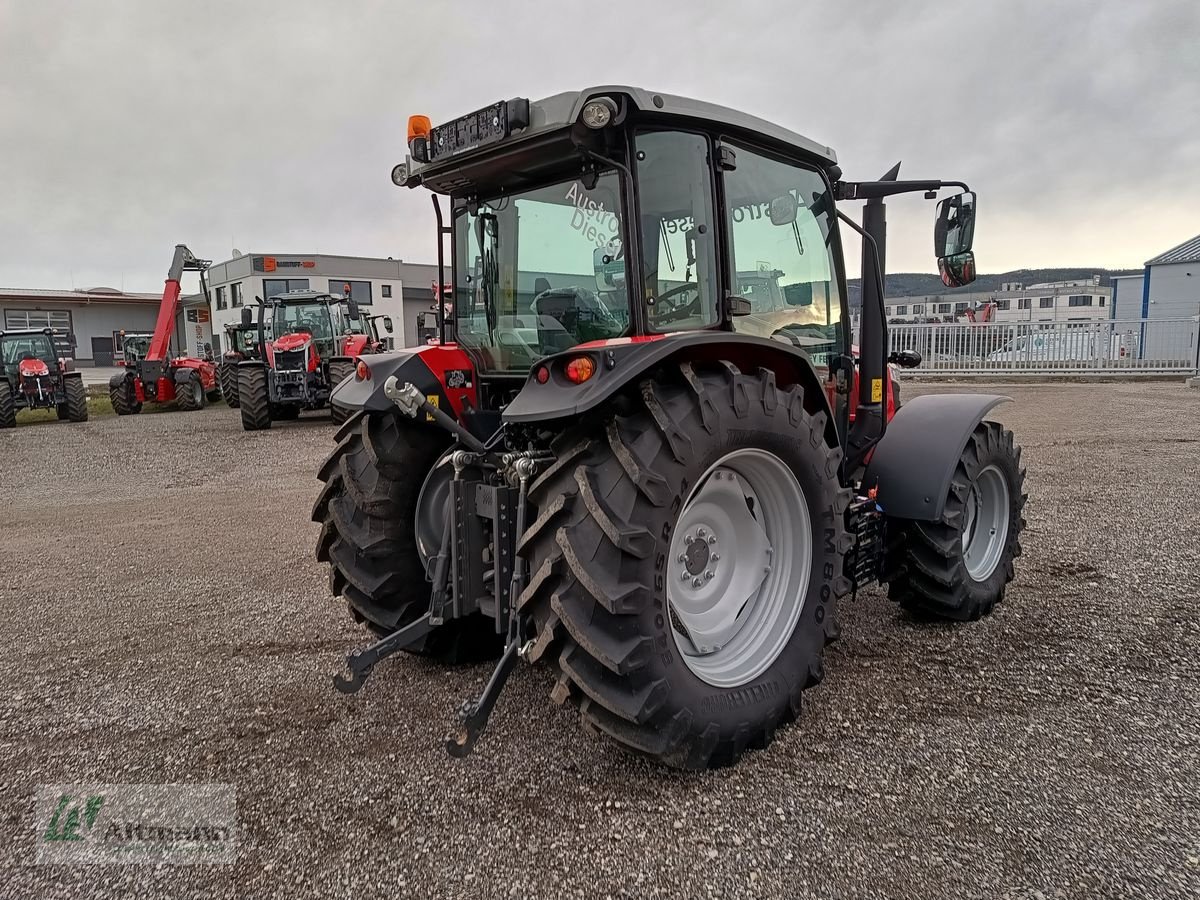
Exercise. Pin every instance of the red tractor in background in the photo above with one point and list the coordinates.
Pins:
(981, 314)
(36, 373)
(310, 343)
(241, 339)
(154, 375)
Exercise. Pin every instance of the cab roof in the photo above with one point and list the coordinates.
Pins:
(560, 111)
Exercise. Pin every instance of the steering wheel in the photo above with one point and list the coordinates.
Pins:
(676, 311)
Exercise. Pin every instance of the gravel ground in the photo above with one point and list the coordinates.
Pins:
(164, 621)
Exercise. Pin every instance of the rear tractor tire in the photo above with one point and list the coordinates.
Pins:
(8, 407)
(75, 407)
(254, 397)
(686, 563)
(122, 396)
(367, 510)
(227, 375)
(189, 392)
(339, 371)
(958, 567)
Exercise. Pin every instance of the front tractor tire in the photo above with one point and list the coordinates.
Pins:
(686, 563)
(958, 567)
(339, 371)
(122, 395)
(8, 406)
(367, 510)
(189, 392)
(254, 397)
(74, 408)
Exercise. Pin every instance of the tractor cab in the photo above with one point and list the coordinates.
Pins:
(135, 345)
(17, 348)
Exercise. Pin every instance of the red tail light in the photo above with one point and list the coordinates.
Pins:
(580, 369)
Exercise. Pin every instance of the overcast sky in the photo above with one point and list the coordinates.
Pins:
(126, 127)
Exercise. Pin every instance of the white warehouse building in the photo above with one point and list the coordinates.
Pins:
(1169, 288)
(380, 286)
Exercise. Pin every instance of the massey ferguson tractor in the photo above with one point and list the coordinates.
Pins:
(241, 338)
(607, 472)
(310, 342)
(152, 374)
(35, 373)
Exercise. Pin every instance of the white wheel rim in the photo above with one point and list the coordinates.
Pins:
(985, 524)
(738, 573)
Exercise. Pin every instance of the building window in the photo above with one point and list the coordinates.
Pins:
(1023, 302)
(1080, 300)
(360, 291)
(221, 303)
(273, 286)
(1003, 305)
(1046, 303)
(37, 319)
(1101, 299)
(918, 309)
(902, 310)
(235, 294)
(944, 307)
(961, 307)
(385, 291)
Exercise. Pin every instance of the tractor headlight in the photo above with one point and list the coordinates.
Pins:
(598, 113)
(400, 175)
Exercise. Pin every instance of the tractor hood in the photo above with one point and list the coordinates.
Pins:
(296, 341)
(32, 368)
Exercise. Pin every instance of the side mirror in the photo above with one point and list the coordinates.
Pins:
(954, 231)
(387, 324)
(906, 359)
(352, 307)
(609, 269)
(957, 270)
(247, 316)
(782, 210)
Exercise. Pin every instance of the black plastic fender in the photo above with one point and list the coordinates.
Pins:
(356, 393)
(621, 361)
(913, 464)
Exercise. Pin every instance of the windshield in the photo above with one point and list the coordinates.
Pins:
(14, 348)
(135, 347)
(540, 271)
(313, 318)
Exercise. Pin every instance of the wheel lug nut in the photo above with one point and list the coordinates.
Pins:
(683, 557)
(684, 577)
(716, 557)
(701, 532)
(696, 582)
(708, 575)
(712, 538)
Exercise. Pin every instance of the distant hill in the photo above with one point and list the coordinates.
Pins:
(916, 284)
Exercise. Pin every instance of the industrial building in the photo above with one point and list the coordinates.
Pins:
(1081, 300)
(379, 286)
(94, 316)
(1168, 288)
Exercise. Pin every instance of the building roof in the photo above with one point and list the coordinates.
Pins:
(1188, 251)
(79, 295)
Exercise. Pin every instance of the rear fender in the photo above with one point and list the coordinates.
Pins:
(442, 372)
(622, 362)
(913, 464)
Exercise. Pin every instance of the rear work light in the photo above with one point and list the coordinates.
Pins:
(362, 371)
(580, 369)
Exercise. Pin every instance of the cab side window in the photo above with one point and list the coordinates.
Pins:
(679, 260)
(780, 229)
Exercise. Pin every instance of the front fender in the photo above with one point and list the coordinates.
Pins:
(913, 464)
(442, 372)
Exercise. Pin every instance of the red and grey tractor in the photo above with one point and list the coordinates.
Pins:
(309, 343)
(624, 468)
(151, 373)
(36, 373)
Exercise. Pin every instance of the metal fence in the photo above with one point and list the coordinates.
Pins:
(1111, 346)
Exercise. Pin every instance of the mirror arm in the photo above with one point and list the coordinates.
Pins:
(874, 190)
